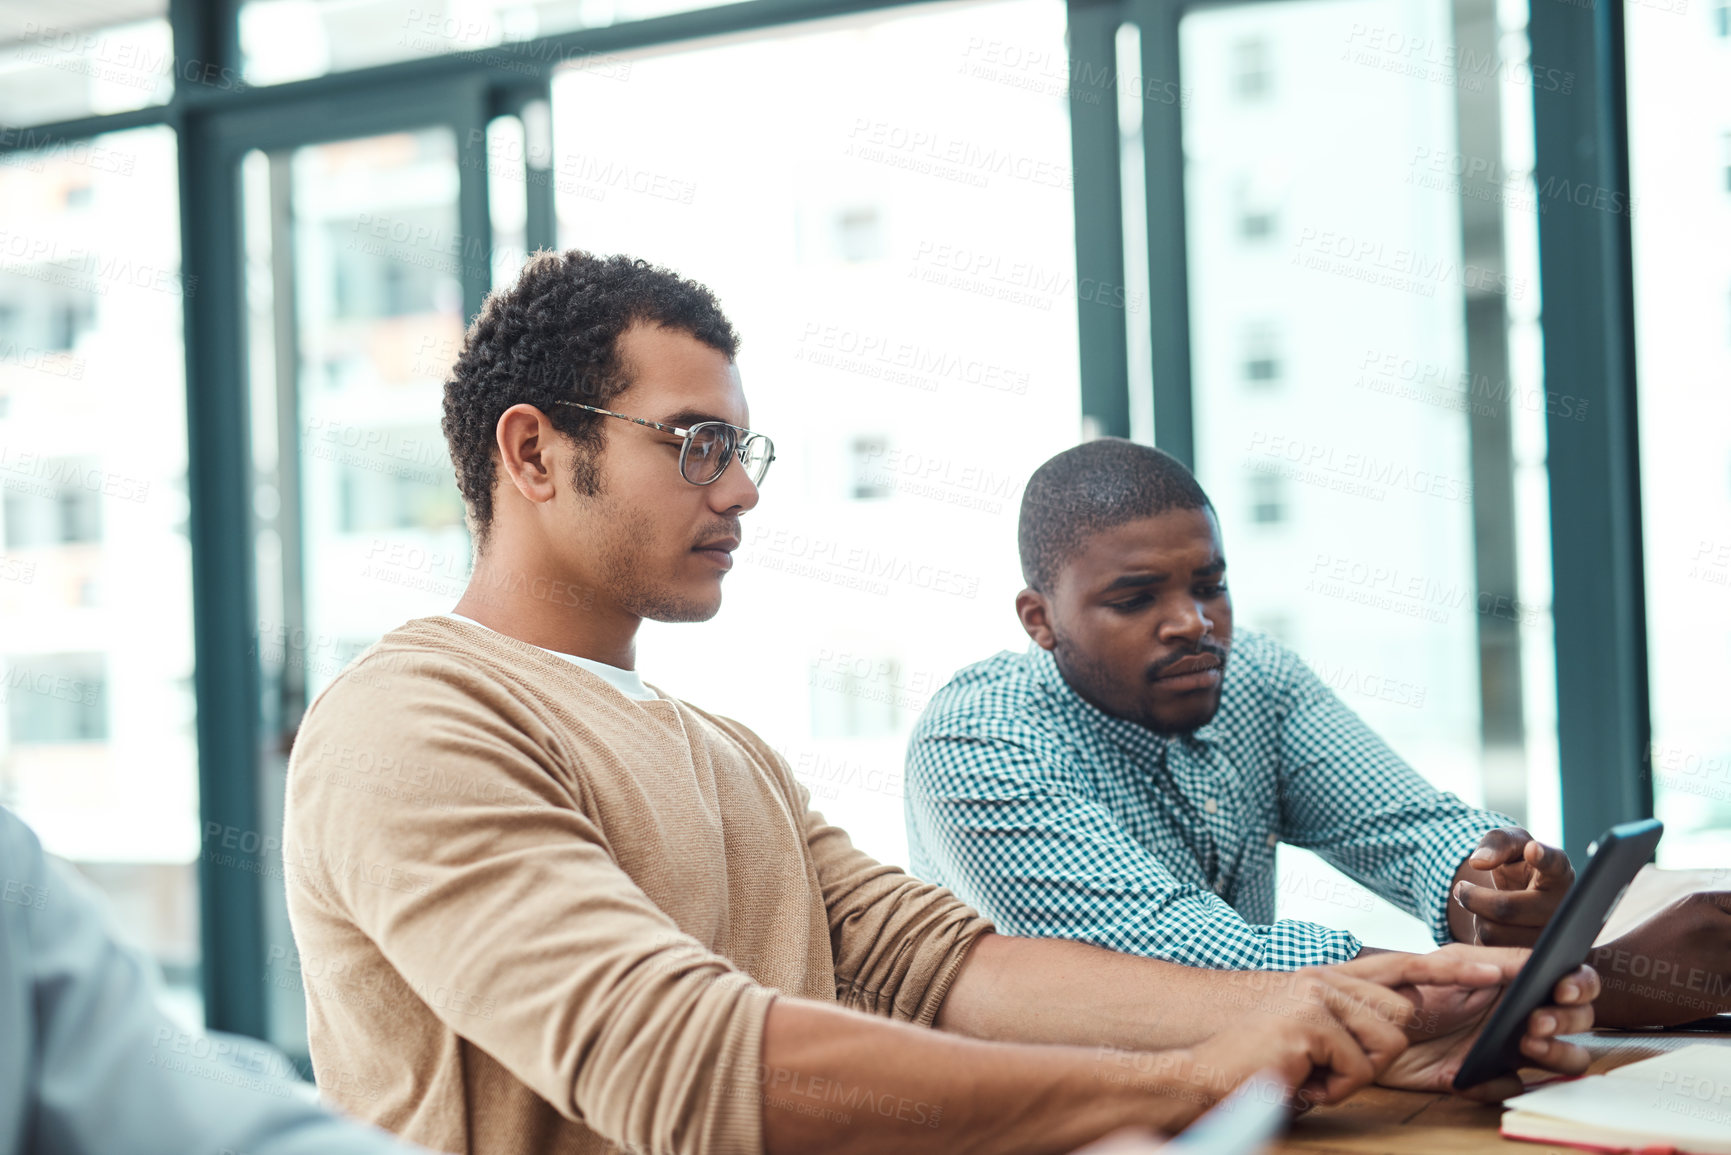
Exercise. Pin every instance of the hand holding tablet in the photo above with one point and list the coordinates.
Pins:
(1562, 946)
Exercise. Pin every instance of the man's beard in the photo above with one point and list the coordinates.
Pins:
(622, 572)
(1090, 678)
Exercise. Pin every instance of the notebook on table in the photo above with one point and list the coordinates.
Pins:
(1677, 1102)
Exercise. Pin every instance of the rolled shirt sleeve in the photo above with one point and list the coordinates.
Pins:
(897, 941)
(1355, 802)
(1055, 819)
(1020, 832)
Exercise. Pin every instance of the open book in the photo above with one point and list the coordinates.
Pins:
(1680, 1101)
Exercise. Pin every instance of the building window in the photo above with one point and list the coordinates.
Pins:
(56, 698)
(1250, 70)
(1262, 354)
(54, 512)
(859, 696)
(871, 479)
(1255, 222)
(1267, 499)
(859, 234)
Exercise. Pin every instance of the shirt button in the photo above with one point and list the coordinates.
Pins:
(1211, 806)
(1220, 888)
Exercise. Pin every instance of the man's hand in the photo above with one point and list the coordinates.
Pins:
(1508, 888)
(1674, 967)
(1327, 1031)
(1449, 1017)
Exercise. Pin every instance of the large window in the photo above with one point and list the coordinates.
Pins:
(1680, 210)
(1369, 414)
(97, 750)
(886, 205)
(899, 259)
(62, 61)
(355, 310)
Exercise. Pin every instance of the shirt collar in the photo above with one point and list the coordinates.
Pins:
(1125, 733)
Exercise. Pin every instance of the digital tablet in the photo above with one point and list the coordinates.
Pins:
(1563, 945)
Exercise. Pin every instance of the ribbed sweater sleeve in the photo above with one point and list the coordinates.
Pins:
(503, 909)
(898, 942)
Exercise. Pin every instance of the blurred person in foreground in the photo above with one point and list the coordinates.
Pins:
(1127, 779)
(554, 909)
(91, 1064)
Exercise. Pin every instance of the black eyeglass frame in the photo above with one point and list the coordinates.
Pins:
(742, 438)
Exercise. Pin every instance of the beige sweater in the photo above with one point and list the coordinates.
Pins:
(542, 918)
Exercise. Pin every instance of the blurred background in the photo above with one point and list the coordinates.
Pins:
(1435, 298)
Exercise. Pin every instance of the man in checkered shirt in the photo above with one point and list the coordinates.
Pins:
(1126, 780)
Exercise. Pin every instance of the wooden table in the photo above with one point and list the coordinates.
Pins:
(1377, 1121)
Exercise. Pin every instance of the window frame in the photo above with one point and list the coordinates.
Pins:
(1585, 262)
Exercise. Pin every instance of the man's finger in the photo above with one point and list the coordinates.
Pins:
(1376, 1016)
(1499, 847)
(1579, 986)
(1550, 1022)
(1551, 867)
(1448, 967)
(1556, 1055)
(1336, 1058)
(1509, 907)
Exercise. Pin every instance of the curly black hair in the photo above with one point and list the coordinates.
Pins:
(554, 336)
(1092, 487)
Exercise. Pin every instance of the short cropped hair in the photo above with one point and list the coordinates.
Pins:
(1093, 487)
(552, 336)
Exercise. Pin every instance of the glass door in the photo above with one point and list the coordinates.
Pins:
(359, 278)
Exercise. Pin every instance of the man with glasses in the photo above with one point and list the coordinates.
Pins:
(549, 908)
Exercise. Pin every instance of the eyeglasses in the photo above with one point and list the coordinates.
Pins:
(708, 447)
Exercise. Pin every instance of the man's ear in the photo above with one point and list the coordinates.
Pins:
(523, 436)
(1034, 611)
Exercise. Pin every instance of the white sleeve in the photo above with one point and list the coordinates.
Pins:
(91, 1065)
